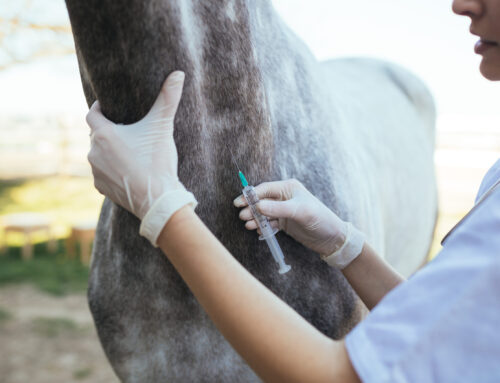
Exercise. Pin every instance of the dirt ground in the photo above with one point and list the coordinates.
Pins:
(44, 338)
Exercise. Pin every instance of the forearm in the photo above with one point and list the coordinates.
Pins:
(274, 340)
(371, 277)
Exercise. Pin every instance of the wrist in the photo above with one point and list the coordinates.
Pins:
(349, 250)
(338, 237)
(162, 211)
(180, 219)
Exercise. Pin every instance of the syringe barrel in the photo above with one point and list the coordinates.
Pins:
(262, 221)
(266, 229)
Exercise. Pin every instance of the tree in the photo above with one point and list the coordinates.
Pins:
(32, 29)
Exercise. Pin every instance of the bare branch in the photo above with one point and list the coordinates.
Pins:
(42, 43)
(40, 54)
(16, 23)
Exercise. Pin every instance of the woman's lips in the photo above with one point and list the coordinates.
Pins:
(483, 45)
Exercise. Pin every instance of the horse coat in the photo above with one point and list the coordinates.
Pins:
(358, 133)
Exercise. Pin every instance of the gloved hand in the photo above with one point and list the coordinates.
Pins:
(292, 208)
(136, 165)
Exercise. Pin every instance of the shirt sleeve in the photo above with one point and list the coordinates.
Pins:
(442, 324)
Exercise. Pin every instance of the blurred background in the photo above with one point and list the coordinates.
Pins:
(49, 208)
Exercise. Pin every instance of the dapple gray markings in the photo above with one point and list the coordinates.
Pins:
(252, 84)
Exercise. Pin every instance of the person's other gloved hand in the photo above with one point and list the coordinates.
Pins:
(292, 208)
(136, 165)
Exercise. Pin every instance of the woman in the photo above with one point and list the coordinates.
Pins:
(440, 325)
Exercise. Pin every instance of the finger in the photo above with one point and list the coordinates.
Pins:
(278, 209)
(251, 225)
(246, 214)
(95, 118)
(172, 91)
(169, 97)
(274, 224)
(240, 201)
(273, 190)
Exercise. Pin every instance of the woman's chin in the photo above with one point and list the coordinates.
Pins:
(490, 71)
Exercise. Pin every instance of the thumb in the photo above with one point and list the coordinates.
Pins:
(171, 92)
(95, 118)
(278, 209)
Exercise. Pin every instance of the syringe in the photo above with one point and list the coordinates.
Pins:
(268, 234)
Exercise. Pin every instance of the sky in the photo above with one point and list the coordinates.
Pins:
(422, 35)
(425, 36)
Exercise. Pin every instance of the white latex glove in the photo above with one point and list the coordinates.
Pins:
(292, 208)
(136, 165)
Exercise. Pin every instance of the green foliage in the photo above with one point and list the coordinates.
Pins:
(52, 273)
(82, 373)
(63, 196)
(4, 315)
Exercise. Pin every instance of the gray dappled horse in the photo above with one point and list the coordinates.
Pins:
(358, 133)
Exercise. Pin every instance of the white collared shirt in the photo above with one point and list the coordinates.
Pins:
(443, 324)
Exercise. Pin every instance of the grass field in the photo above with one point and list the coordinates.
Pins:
(53, 273)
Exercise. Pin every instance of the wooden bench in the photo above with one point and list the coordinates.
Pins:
(27, 224)
(82, 233)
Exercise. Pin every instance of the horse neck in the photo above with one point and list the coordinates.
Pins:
(125, 53)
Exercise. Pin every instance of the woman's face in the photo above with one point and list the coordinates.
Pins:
(485, 23)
